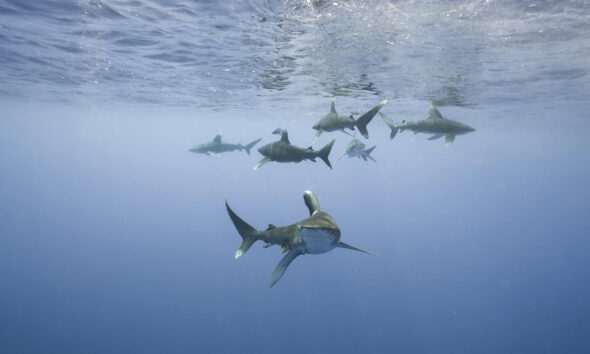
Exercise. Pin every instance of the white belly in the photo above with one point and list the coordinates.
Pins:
(317, 240)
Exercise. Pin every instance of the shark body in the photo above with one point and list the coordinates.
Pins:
(334, 121)
(434, 124)
(283, 151)
(315, 234)
(356, 148)
(216, 146)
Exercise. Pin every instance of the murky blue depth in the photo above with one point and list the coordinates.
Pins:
(114, 238)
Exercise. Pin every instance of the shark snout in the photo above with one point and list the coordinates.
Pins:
(264, 150)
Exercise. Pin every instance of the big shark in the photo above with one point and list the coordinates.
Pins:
(356, 148)
(434, 124)
(284, 151)
(334, 121)
(315, 234)
(216, 146)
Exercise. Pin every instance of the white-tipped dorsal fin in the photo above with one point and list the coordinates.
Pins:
(217, 138)
(433, 113)
(285, 137)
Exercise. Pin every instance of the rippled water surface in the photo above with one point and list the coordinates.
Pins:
(227, 54)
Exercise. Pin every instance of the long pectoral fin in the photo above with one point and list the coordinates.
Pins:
(449, 138)
(280, 269)
(316, 136)
(211, 153)
(436, 136)
(344, 245)
(262, 162)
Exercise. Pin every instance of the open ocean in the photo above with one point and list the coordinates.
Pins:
(114, 238)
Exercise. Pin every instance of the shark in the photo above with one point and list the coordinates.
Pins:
(434, 124)
(216, 146)
(356, 148)
(334, 121)
(283, 151)
(315, 234)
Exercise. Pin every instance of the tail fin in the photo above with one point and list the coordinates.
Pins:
(367, 153)
(364, 120)
(247, 232)
(391, 124)
(325, 152)
(251, 145)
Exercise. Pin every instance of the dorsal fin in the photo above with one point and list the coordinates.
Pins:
(311, 201)
(333, 107)
(433, 113)
(217, 138)
(270, 227)
(285, 137)
(309, 148)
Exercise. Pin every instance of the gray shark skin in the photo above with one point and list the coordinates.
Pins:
(434, 124)
(284, 151)
(216, 146)
(356, 148)
(334, 121)
(315, 234)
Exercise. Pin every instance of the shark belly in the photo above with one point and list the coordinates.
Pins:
(316, 240)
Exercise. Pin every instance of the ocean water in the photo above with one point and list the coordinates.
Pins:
(115, 239)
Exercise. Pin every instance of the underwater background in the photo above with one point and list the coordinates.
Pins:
(114, 238)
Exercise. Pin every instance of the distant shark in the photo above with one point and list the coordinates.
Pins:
(216, 146)
(316, 234)
(334, 121)
(356, 148)
(434, 124)
(284, 151)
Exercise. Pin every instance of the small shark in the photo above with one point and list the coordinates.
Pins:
(356, 148)
(334, 121)
(216, 146)
(284, 151)
(316, 234)
(434, 124)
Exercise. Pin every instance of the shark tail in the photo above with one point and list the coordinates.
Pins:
(392, 125)
(251, 145)
(325, 152)
(366, 118)
(247, 232)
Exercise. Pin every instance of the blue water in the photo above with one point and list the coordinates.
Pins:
(115, 239)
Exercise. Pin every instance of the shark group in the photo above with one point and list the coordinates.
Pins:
(318, 233)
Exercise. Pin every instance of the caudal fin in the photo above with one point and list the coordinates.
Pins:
(251, 145)
(364, 120)
(391, 124)
(325, 152)
(247, 232)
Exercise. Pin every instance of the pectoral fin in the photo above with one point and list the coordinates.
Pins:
(449, 138)
(262, 162)
(436, 136)
(316, 136)
(211, 153)
(344, 245)
(280, 269)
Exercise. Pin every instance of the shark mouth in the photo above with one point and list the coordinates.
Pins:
(317, 240)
